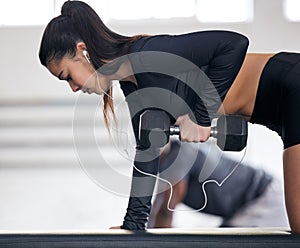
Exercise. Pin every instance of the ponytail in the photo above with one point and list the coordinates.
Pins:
(102, 43)
(79, 22)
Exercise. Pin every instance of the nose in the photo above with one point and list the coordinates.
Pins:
(74, 87)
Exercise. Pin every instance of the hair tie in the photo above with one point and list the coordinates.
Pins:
(66, 9)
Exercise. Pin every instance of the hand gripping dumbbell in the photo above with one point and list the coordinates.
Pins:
(231, 131)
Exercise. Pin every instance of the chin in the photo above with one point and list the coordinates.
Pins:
(97, 93)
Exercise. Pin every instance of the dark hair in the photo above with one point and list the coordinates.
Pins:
(79, 22)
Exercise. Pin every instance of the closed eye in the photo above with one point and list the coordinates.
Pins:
(68, 78)
(61, 77)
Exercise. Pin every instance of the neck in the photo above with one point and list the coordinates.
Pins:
(130, 78)
(125, 73)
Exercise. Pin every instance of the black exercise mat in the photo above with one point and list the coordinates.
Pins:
(150, 239)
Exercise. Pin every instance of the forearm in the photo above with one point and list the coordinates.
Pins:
(139, 205)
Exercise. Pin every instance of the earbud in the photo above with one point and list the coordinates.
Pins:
(85, 54)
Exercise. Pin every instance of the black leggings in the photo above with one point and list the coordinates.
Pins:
(277, 104)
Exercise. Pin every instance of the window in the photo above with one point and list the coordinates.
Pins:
(291, 10)
(224, 11)
(145, 9)
(29, 12)
(40, 12)
(37, 12)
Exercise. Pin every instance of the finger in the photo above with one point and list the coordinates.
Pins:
(178, 121)
(115, 227)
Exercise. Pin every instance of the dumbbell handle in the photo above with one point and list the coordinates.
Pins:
(175, 130)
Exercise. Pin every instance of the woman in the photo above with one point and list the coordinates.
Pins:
(77, 43)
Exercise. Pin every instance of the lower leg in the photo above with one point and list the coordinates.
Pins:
(291, 162)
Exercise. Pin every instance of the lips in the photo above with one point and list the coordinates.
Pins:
(89, 91)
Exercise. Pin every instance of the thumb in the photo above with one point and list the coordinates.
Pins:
(178, 121)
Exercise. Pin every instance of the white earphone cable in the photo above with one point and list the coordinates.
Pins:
(164, 180)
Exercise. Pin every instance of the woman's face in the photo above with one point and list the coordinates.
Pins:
(80, 74)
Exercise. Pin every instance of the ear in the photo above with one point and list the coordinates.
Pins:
(80, 46)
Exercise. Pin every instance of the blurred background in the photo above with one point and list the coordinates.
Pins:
(43, 185)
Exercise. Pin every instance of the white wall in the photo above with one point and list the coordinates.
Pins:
(58, 197)
(23, 78)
